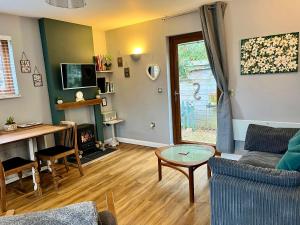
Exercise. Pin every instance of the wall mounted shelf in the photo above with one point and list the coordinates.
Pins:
(105, 71)
(107, 93)
(74, 105)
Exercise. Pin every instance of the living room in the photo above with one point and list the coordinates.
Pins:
(208, 89)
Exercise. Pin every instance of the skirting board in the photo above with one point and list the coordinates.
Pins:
(138, 142)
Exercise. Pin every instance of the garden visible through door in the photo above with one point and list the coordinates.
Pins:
(194, 91)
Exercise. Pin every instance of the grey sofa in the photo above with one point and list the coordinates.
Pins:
(251, 191)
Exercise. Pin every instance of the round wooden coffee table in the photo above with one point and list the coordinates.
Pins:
(189, 156)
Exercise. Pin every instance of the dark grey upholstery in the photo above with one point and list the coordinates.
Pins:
(246, 195)
(268, 139)
(107, 218)
(257, 174)
(261, 159)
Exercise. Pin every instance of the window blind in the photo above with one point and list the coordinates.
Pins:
(8, 81)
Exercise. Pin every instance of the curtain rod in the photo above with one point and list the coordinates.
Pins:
(180, 14)
(184, 13)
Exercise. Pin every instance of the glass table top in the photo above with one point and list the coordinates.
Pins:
(188, 153)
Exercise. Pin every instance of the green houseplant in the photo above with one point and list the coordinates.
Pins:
(10, 124)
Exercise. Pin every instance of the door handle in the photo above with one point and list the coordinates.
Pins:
(176, 93)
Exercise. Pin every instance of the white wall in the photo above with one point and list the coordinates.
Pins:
(137, 100)
(262, 97)
(33, 105)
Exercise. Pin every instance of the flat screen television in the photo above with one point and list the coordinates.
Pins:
(75, 76)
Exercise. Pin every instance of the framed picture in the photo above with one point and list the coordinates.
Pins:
(127, 72)
(25, 64)
(37, 78)
(104, 101)
(270, 54)
(120, 61)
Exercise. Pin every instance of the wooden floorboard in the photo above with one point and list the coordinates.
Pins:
(131, 173)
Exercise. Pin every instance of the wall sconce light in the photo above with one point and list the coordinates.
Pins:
(136, 55)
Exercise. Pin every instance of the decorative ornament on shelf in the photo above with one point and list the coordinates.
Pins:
(107, 62)
(59, 100)
(270, 54)
(79, 96)
(103, 63)
(10, 124)
(25, 64)
(69, 4)
(98, 94)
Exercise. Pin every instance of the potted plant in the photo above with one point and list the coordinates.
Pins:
(107, 62)
(59, 100)
(10, 124)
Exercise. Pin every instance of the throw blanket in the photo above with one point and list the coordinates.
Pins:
(78, 214)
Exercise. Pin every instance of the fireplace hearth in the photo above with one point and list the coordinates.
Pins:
(86, 139)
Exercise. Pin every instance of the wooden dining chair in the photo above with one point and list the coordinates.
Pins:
(17, 165)
(68, 146)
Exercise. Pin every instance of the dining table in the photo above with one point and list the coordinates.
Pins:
(30, 134)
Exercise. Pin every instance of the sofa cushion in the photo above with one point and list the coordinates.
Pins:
(291, 159)
(268, 139)
(77, 214)
(261, 159)
(233, 168)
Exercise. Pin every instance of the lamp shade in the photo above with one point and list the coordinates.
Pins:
(69, 4)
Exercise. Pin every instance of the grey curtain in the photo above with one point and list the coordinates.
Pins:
(212, 20)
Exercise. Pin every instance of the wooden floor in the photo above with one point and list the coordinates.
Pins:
(131, 173)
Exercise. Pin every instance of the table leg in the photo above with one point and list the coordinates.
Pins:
(32, 146)
(159, 170)
(191, 184)
(208, 172)
(114, 141)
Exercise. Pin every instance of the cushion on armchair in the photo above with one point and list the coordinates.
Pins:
(244, 171)
(291, 159)
(268, 139)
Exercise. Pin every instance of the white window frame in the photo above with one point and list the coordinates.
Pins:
(13, 69)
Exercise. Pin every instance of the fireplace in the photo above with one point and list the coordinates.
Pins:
(86, 138)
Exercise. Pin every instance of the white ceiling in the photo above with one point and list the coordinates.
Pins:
(102, 14)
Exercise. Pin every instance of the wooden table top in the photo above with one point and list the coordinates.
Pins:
(29, 132)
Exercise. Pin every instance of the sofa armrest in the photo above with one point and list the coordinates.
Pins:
(241, 201)
(252, 173)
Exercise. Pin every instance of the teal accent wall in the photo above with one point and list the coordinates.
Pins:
(65, 42)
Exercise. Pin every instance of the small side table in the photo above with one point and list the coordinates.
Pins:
(114, 140)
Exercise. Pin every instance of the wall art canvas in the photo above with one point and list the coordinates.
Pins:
(270, 54)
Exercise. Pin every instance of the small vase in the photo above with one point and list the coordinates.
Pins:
(60, 101)
(10, 127)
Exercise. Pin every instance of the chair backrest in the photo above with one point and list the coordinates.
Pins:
(69, 136)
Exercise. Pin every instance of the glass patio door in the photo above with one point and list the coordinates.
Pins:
(194, 91)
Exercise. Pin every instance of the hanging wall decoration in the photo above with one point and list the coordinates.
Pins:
(25, 64)
(270, 54)
(37, 78)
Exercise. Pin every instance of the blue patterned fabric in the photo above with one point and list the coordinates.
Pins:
(268, 139)
(242, 194)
